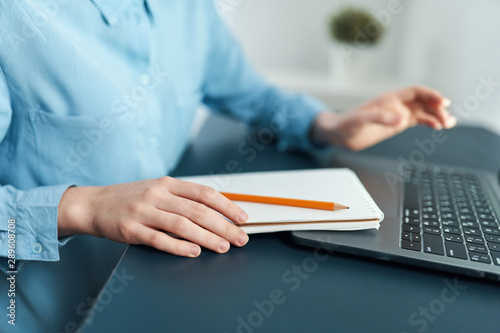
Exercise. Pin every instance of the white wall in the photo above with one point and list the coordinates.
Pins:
(446, 44)
(289, 34)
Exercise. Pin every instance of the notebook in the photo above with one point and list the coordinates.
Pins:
(334, 185)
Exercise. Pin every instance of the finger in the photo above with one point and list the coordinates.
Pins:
(209, 197)
(424, 118)
(207, 218)
(445, 118)
(451, 122)
(187, 229)
(436, 110)
(431, 100)
(424, 94)
(163, 242)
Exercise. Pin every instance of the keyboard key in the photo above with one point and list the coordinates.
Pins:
(416, 238)
(452, 230)
(406, 236)
(494, 246)
(428, 203)
(489, 217)
(411, 212)
(453, 238)
(450, 223)
(496, 257)
(456, 250)
(472, 231)
(430, 230)
(469, 224)
(477, 248)
(429, 216)
(446, 209)
(480, 257)
(411, 228)
(433, 244)
(474, 239)
(405, 244)
(483, 209)
(465, 210)
(491, 231)
(430, 223)
(465, 204)
(493, 238)
(411, 220)
(490, 224)
(483, 204)
(449, 216)
(428, 209)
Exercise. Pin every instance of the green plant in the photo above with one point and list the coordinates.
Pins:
(355, 26)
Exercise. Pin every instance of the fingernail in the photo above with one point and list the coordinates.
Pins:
(195, 251)
(224, 245)
(451, 122)
(446, 102)
(242, 216)
(242, 239)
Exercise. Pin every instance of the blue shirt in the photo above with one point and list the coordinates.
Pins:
(105, 91)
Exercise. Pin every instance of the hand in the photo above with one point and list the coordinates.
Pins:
(382, 118)
(141, 213)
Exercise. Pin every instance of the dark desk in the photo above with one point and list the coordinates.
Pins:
(273, 285)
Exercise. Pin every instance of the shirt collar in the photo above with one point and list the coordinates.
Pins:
(111, 10)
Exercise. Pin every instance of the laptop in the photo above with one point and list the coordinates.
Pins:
(438, 217)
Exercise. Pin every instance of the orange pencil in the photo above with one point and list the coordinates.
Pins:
(284, 201)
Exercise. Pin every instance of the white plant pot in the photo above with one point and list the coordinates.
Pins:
(350, 64)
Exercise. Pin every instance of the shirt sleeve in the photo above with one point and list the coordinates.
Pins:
(234, 88)
(28, 219)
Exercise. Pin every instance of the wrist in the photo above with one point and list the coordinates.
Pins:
(325, 129)
(76, 211)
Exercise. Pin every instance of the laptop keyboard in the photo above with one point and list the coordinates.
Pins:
(449, 213)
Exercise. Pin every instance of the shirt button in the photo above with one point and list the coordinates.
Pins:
(36, 248)
(145, 79)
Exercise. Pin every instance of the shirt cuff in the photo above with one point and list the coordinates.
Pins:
(34, 225)
(299, 113)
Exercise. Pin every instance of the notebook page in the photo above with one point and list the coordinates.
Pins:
(337, 185)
